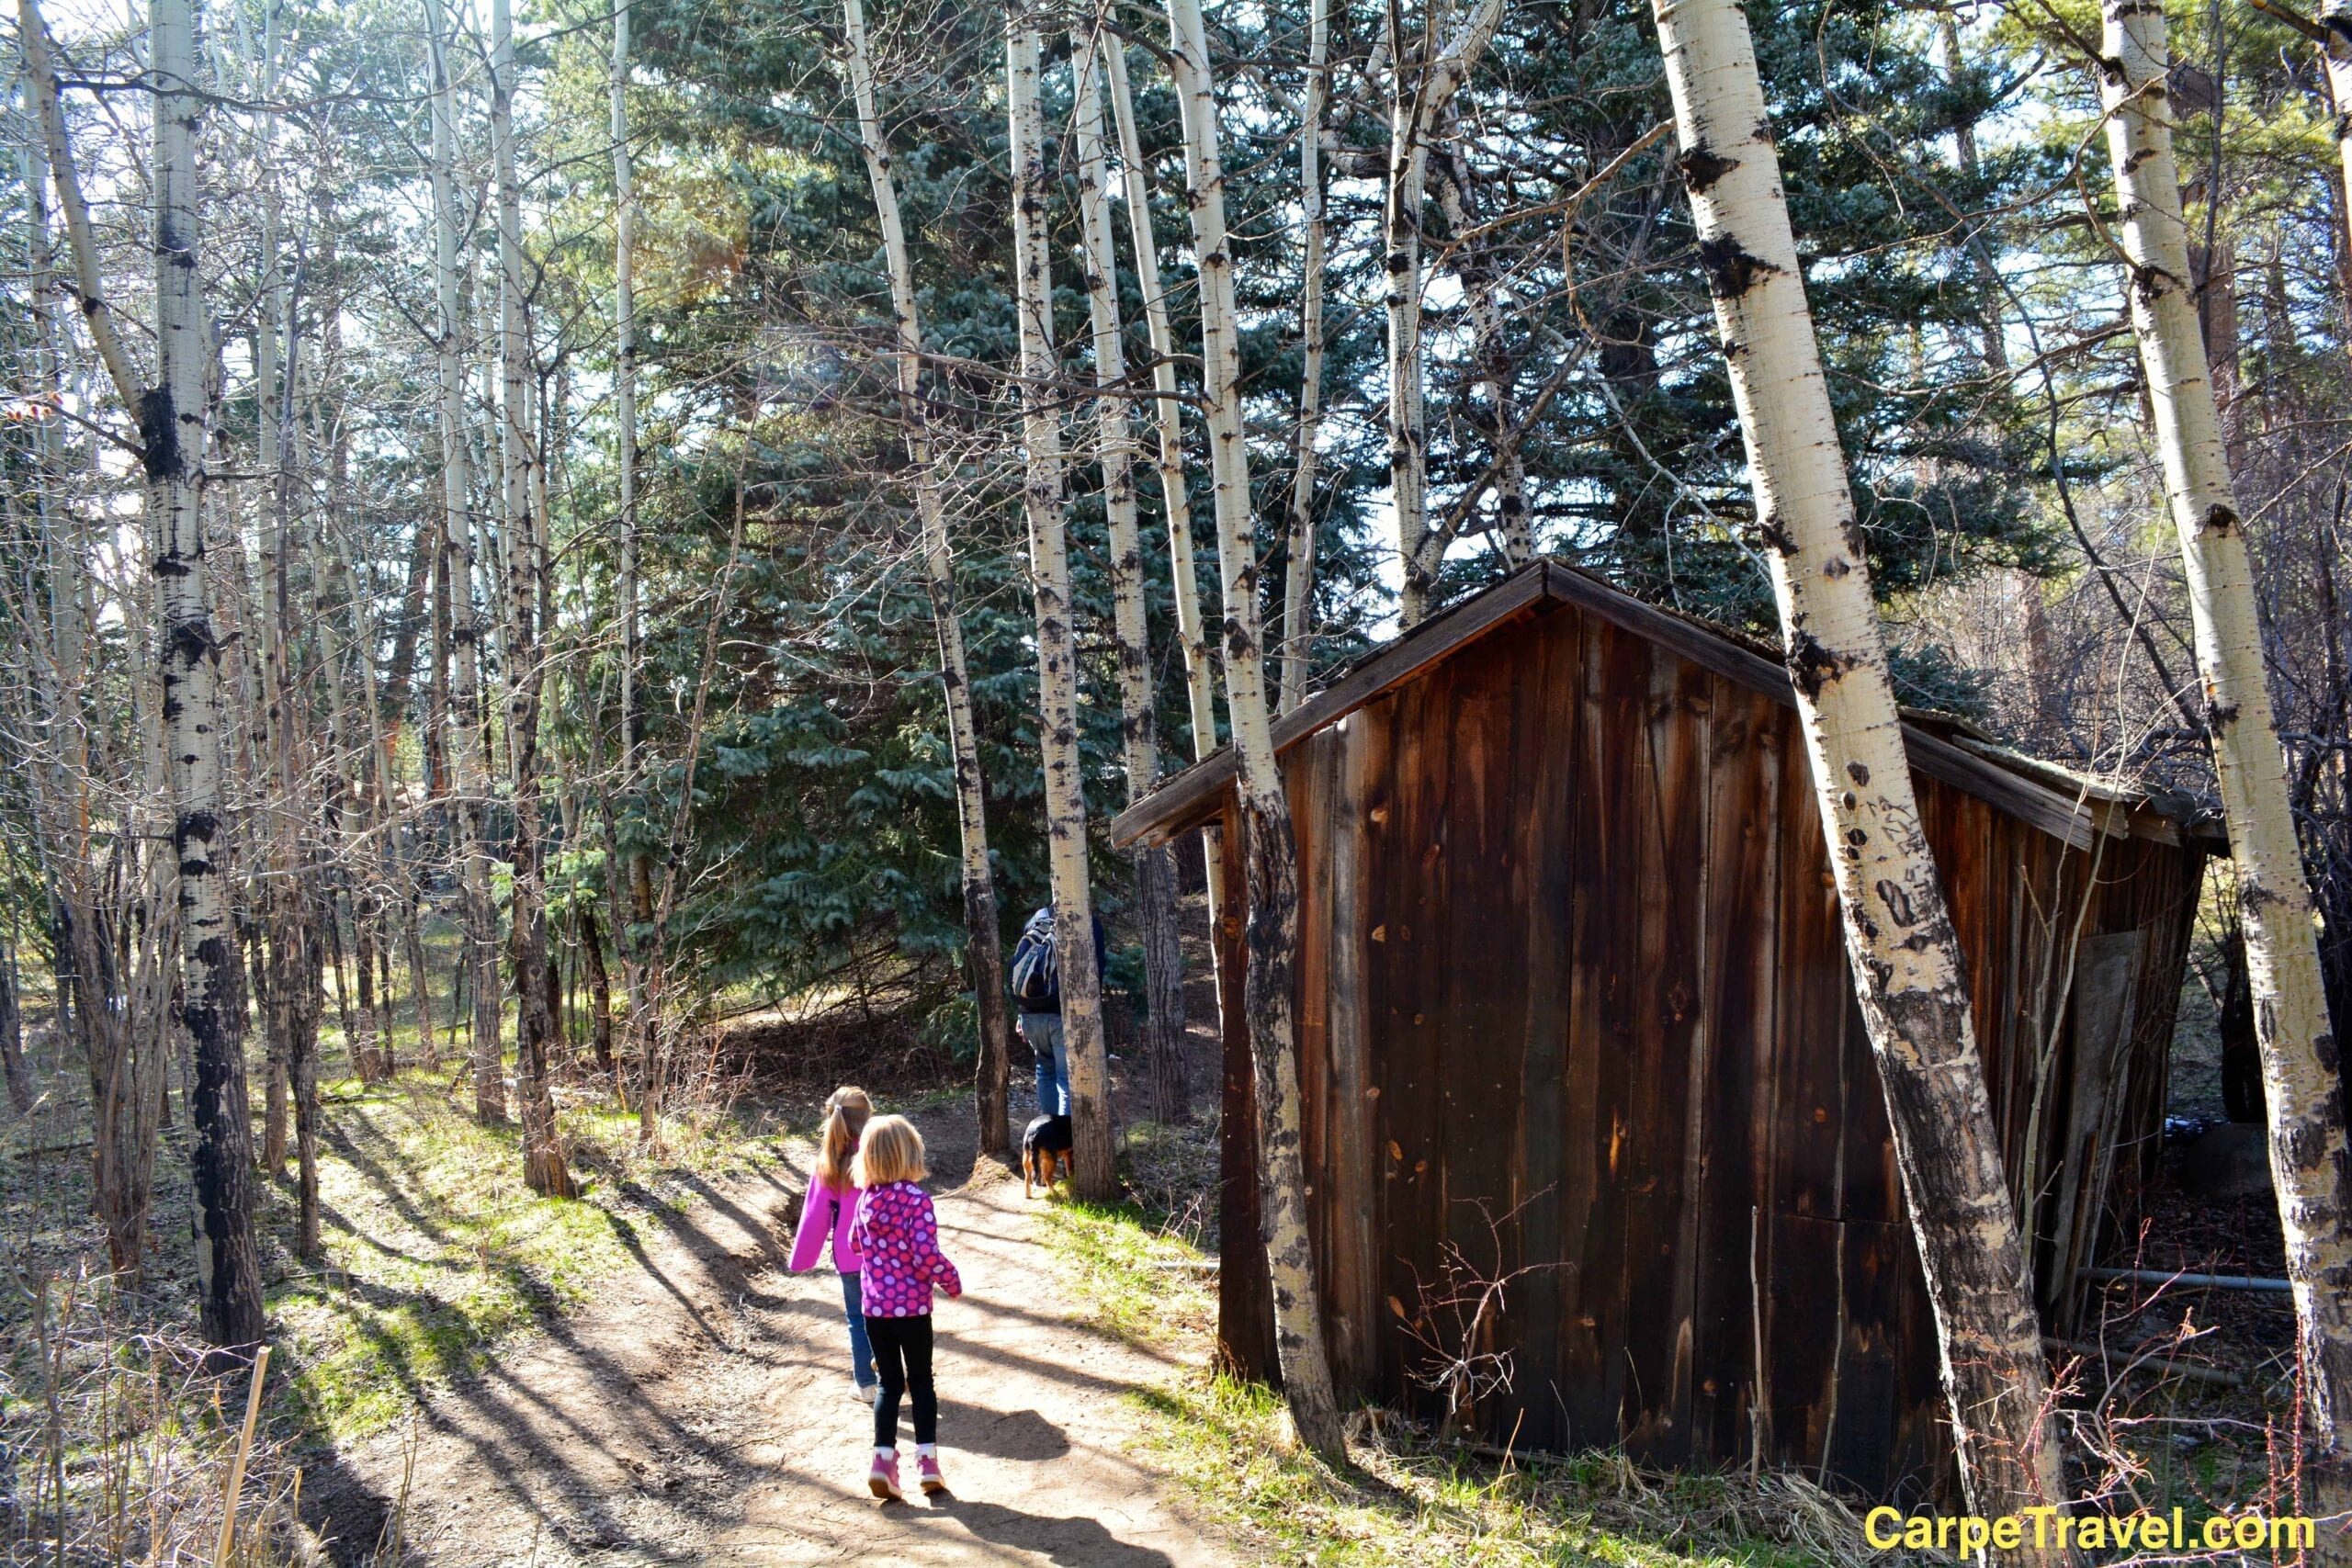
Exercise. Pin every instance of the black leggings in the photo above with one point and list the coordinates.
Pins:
(902, 1360)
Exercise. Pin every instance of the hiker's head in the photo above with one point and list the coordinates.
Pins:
(890, 1151)
(846, 1110)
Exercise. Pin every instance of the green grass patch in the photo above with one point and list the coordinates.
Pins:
(434, 1252)
(1404, 1498)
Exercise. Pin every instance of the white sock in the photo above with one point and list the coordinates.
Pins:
(927, 1451)
(886, 1453)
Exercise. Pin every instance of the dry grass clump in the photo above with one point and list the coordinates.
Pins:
(120, 1450)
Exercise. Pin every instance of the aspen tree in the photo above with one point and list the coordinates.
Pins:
(1094, 1170)
(639, 1033)
(1899, 936)
(1131, 637)
(1168, 420)
(1298, 574)
(172, 442)
(1417, 102)
(477, 915)
(980, 930)
(2302, 1086)
(543, 1163)
(181, 744)
(1270, 850)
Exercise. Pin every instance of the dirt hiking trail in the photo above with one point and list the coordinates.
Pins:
(699, 1411)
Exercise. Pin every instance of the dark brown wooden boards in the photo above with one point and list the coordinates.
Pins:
(1575, 1015)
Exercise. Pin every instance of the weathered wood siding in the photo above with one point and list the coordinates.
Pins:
(1574, 1008)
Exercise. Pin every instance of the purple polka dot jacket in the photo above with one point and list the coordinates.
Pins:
(897, 1233)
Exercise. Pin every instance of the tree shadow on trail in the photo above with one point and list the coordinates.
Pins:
(1007, 1434)
(1075, 1543)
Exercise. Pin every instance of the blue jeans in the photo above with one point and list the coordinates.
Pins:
(861, 1349)
(1043, 1030)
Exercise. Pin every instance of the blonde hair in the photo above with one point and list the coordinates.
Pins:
(890, 1151)
(846, 1110)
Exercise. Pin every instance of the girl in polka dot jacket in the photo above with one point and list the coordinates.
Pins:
(897, 1233)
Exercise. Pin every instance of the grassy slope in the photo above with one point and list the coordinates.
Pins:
(434, 1250)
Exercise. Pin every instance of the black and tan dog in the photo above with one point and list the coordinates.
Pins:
(1045, 1154)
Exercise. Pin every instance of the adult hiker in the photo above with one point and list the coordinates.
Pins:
(1038, 995)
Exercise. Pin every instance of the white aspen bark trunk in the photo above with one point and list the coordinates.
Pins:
(544, 1170)
(1167, 418)
(1271, 852)
(2300, 1052)
(1092, 1158)
(991, 1086)
(1298, 574)
(172, 438)
(1415, 103)
(1131, 636)
(88, 285)
(637, 1033)
(477, 915)
(275, 345)
(1899, 937)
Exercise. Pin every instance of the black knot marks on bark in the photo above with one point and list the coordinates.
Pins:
(158, 439)
(2323, 1048)
(195, 827)
(1768, 529)
(2220, 519)
(1701, 167)
(1898, 904)
(1731, 271)
(1811, 665)
(1858, 774)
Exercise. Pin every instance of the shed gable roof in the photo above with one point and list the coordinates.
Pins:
(2023, 787)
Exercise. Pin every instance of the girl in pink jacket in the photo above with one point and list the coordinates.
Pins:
(829, 1212)
(897, 1233)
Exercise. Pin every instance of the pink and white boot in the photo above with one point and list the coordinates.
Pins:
(927, 1471)
(883, 1479)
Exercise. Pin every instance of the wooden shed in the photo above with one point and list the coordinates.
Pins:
(1575, 1011)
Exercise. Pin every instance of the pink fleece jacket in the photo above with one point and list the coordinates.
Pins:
(828, 1209)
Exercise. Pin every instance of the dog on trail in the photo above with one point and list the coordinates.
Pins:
(1045, 1154)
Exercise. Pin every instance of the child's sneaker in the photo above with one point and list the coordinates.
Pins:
(927, 1468)
(883, 1479)
(865, 1393)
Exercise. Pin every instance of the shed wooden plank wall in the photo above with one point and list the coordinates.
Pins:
(1574, 1008)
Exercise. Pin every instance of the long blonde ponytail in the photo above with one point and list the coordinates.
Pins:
(846, 1110)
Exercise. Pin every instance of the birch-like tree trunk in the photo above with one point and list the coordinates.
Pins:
(2299, 1071)
(1163, 1027)
(1093, 1167)
(1270, 850)
(638, 1033)
(1417, 101)
(1899, 936)
(991, 1086)
(478, 916)
(172, 441)
(1168, 420)
(1298, 572)
(543, 1163)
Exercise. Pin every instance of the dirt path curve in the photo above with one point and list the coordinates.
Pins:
(699, 1412)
